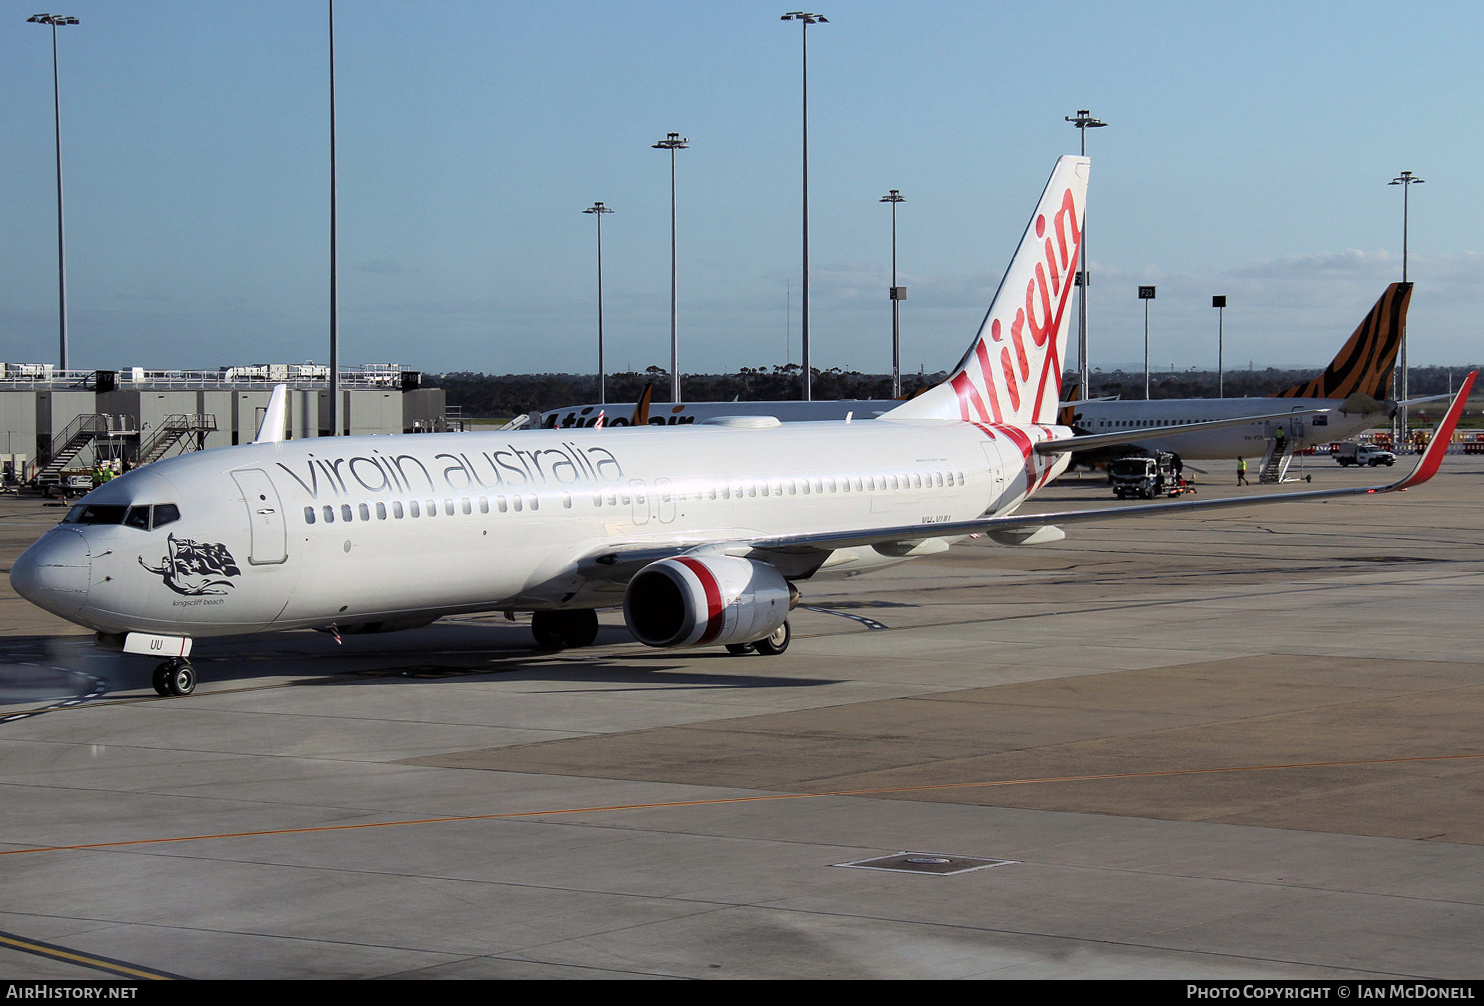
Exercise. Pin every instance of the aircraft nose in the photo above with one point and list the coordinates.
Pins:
(55, 572)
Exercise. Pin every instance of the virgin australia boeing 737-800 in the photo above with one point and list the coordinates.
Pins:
(701, 534)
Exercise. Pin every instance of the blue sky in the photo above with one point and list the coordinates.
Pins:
(1247, 153)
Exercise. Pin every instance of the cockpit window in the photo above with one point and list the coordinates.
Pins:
(129, 516)
(94, 513)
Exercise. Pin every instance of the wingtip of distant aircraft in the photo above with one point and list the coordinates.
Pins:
(1432, 458)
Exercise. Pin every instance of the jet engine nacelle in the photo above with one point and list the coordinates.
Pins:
(706, 600)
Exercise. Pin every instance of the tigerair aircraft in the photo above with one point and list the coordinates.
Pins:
(1348, 397)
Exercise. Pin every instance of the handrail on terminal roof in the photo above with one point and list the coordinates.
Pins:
(298, 376)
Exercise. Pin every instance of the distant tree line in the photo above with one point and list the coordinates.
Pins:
(512, 394)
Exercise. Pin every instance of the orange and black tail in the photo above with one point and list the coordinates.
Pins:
(1366, 362)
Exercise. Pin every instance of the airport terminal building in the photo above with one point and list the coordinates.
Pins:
(55, 421)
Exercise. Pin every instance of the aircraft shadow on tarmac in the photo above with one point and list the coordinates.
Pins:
(53, 671)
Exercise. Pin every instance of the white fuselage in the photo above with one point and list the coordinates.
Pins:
(1225, 442)
(362, 530)
(617, 415)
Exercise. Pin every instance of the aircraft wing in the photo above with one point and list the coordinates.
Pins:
(799, 555)
(1427, 467)
(1093, 441)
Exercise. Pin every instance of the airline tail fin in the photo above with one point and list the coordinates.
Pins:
(1068, 414)
(1366, 362)
(1012, 373)
(274, 428)
(641, 409)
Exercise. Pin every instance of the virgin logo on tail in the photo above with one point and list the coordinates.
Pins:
(1012, 371)
(1001, 376)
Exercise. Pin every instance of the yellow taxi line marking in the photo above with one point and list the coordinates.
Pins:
(98, 963)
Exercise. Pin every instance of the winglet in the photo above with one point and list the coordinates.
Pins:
(1438, 446)
(273, 429)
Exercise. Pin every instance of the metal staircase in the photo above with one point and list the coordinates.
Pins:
(1275, 465)
(78, 434)
(172, 431)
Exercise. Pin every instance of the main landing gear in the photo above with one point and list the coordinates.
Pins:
(175, 676)
(556, 630)
(768, 646)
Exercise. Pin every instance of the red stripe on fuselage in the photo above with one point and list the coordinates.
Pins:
(1022, 440)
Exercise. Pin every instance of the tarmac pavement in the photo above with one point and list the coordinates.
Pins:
(1232, 744)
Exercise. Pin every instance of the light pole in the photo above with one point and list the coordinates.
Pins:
(1406, 180)
(597, 210)
(673, 142)
(806, 19)
(1219, 303)
(55, 21)
(1083, 121)
(898, 294)
(334, 253)
(1146, 294)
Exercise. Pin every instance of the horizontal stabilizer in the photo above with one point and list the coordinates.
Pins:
(1426, 398)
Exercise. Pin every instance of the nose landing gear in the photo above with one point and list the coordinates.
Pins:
(175, 676)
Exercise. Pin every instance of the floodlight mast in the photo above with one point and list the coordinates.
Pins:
(334, 252)
(1406, 180)
(1146, 294)
(898, 294)
(805, 19)
(1218, 301)
(1083, 121)
(597, 210)
(673, 142)
(55, 21)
